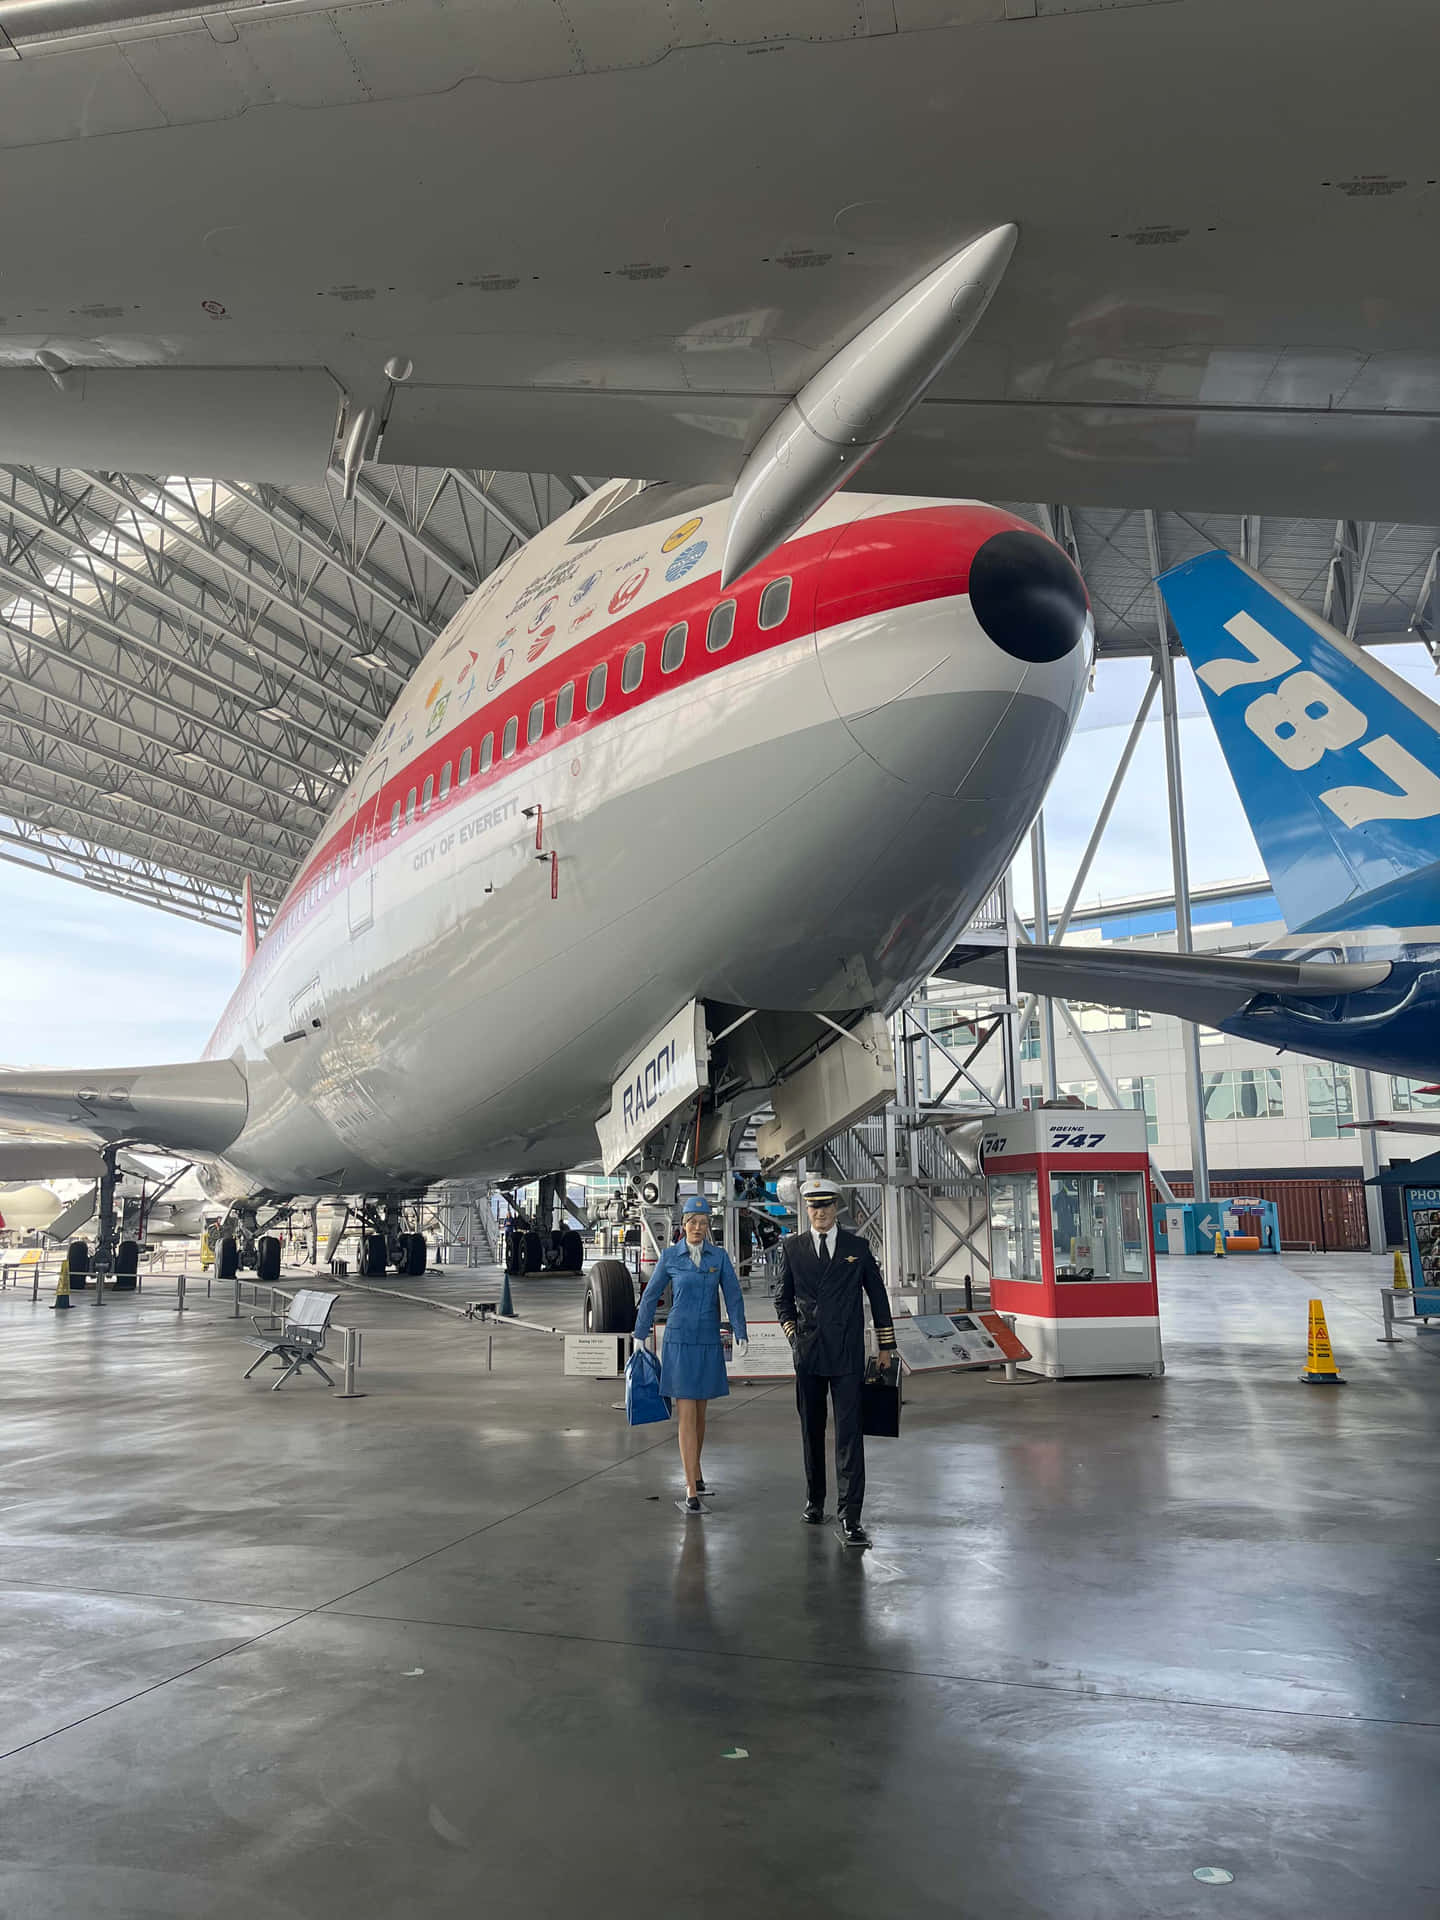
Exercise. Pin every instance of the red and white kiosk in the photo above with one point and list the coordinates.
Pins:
(1072, 1261)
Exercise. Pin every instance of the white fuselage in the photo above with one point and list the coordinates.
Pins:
(798, 818)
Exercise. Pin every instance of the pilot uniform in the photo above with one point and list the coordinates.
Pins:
(819, 1304)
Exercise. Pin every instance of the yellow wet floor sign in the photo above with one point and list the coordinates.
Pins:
(1320, 1367)
(1401, 1283)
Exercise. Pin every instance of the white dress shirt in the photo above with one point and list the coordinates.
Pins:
(824, 1242)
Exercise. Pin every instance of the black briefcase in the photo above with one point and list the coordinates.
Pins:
(880, 1402)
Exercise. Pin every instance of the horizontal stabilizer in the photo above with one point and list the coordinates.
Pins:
(196, 1107)
(1208, 988)
(1336, 759)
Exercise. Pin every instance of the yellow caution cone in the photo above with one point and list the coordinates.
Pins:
(1320, 1367)
(62, 1287)
(1220, 1242)
(1401, 1282)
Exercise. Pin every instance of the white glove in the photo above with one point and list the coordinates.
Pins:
(741, 1350)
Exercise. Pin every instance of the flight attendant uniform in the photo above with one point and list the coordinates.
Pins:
(825, 1279)
(692, 1359)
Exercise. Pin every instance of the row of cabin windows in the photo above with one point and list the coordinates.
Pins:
(719, 632)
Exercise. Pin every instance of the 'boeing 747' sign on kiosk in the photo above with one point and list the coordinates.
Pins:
(668, 1071)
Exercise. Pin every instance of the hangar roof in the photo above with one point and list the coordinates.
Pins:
(190, 670)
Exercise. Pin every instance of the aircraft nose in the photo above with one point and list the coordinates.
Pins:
(1027, 597)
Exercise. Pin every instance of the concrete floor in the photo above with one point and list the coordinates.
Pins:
(450, 1650)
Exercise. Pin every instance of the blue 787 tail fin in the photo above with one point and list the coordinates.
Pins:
(1336, 759)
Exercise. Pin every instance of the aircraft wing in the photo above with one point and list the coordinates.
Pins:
(195, 1107)
(1208, 988)
(1391, 1126)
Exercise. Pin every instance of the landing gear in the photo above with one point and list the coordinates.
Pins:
(609, 1298)
(78, 1254)
(415, 1255)
(227, 1257)
(372, 1256)
(267, 1260)
(127, 1266)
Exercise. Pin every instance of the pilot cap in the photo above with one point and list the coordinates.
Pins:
(818, 1188)
(697, 1203)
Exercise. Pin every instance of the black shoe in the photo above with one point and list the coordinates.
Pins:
(852, 1534)
(814, 1514)
(690, 1504)
(702, 1489)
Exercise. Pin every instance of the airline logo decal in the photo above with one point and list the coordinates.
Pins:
(627, 590)
(437, 715)
(581, 619)
(538, 645)
(505, 638)
(587, 586)
(539, 619)
(430, 696)
(499, 670)
(687, 560)
(685, 531)
(469, 667)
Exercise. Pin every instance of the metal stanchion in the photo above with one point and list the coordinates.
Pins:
(1387, 1314)
(349, 1391)
(35, 1285)
(180, 1291)
(236, 1314)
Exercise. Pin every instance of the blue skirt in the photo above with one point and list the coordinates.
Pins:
(693, 1372)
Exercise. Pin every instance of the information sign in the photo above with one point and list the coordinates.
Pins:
(595, 1356)
(949, 1342)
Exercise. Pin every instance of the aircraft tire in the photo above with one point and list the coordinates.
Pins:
(78, 1254)
(515, 1244)
(127, 1265)
(416, 1255)
(227, 1258)
(534, 1253)
(267, 1260)
(609, 1298)
(572, 1252)
(374, 1256)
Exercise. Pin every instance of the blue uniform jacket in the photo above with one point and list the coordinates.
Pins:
(695, 1306)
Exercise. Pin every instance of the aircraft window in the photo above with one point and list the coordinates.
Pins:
(633, 670)
(444, 779)
(535, 726)
(487, 752)
(464, 767)
(565, 704)
(511, 735)
(595, 688)
(774, 603)
(721, 630)
(673, 651)
(428, 793)
(410, 806)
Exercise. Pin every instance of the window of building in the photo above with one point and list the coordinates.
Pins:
(509, 737)
(536, 724)
(394, 826)
(633, 670)
(1406, 1096)
(1030, 1040)
(1136, 1090)
(445, 780)
(721, 630)
(410, 806)
(565, 704)
(427, 794)
(1329, 1098)
(487, 752)
(464, 767)
(672, 653)
(774, 604)
(1244, 1093)
(595, 688)
(1093, 1019)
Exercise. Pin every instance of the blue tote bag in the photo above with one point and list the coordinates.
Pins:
(644, 1401)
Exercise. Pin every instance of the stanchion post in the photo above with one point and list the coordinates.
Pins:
(1387, 1314)
(236, 1314)
(349, 1391)
(180, 1291)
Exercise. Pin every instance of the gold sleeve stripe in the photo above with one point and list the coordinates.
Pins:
(886, 1336)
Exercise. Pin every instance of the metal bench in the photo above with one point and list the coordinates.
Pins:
(307, 1320)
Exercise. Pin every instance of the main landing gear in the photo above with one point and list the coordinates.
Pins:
(386, 1245)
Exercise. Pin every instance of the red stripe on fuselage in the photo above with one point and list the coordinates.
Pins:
(884, 561)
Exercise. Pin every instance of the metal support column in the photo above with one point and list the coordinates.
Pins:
(1045, 1005)
(1370, 1158)
(1009, 1044)
(103, 1264)
(1180, 863)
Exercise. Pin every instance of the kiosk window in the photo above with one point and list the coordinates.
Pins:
(536, 724)
(1015, 1227)
(487, 752)
(721, 630)
(565, 704)
(1097, 1226)
(774, 603)
(509, 737)
(672, 653)
(595, 688)
(633, 670)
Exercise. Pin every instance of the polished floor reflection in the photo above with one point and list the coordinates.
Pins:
(450, 1649)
